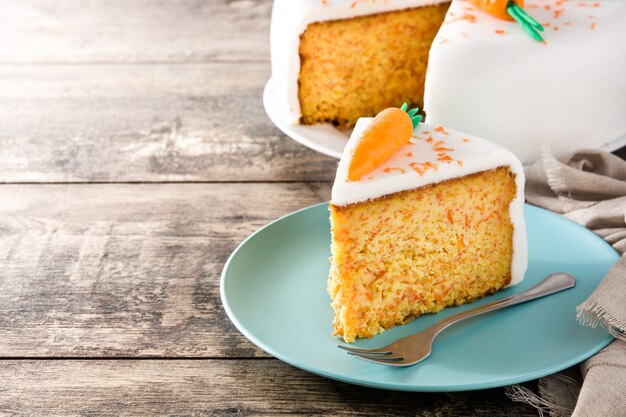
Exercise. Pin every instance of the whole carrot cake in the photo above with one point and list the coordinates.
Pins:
(334, 61)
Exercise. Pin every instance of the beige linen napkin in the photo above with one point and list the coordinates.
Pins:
(588, 187)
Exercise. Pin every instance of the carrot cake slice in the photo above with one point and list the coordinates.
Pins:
(430, 220)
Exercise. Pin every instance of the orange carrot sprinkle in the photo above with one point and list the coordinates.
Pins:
(466, 139)
(389, 169)
(442, 148)
(440, 129)
(469, 17)
(458, 161)
(439, 143)
(593, 25)
(409, 154)
(558, 13)
(419, 170)
(430, 139)
(446, 158)
(499, 32)
(426, 132)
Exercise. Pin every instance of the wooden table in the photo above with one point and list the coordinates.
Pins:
(135, 155)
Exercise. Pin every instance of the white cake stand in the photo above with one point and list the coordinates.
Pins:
(328, 140)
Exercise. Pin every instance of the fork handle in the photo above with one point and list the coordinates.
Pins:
(551, 284)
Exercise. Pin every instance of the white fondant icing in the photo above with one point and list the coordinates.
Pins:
(506, 87)
(397, 174)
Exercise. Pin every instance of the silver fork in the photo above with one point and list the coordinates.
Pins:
(415, 348)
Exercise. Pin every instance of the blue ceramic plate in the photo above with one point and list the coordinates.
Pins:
(274, 290)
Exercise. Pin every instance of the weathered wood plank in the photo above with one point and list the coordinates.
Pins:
(128, 270)
(37, 31)
(217, 387)
(204, 122)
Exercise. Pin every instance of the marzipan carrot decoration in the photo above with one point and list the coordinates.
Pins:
(511, 10)
(390, 130)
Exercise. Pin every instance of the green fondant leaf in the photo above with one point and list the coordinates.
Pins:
(416, 120)
(404, 107)
(513, 11)
(529, 19)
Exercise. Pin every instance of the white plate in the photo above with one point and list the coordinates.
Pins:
(326, 139)
(323, 138)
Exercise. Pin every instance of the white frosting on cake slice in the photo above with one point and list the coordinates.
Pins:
(435, 154)
(488, 77)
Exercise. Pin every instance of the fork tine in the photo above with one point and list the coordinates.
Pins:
(381, 351)
(390, 357)
(380, 360)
